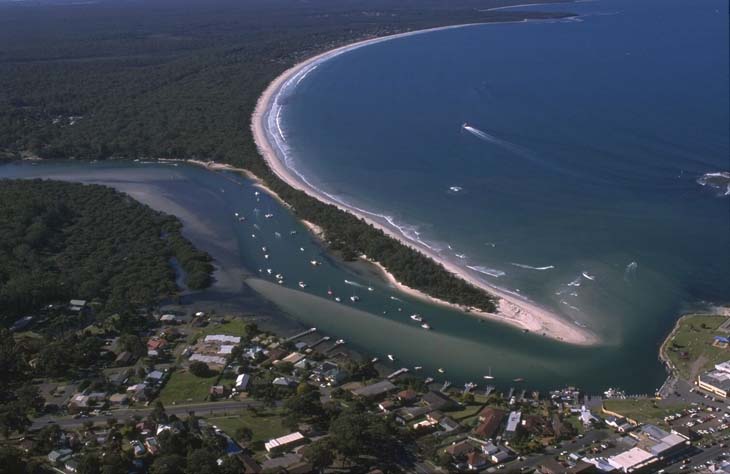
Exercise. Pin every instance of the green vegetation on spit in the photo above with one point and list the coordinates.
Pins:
(690, 349)
(60, 241)
(111, 80)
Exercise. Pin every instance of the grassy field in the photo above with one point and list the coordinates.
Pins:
(265, 425)
(233, 327)
(694, 337)
(643, 410)
(184, 387)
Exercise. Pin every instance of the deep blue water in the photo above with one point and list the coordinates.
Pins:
(585, 139)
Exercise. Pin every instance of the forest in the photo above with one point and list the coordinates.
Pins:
(180, 79)
(60, 241)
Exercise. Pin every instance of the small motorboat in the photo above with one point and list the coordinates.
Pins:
(416, 317)
(391, 357)
(354, 298)
(425, 326)
(441, 371)
(302, 284)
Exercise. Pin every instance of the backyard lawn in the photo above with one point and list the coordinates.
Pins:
(184, 387)
(644, 410)
(264, 424)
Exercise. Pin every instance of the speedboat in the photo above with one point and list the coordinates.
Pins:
(416, 317)
(418, 367)
(337, 298)
(354, 298)
(340, 341)
(425, 326)
(370, 288)
(279, 276)
(441, 371)
(391, 357)
(302, 284)
(264, 249)
(268, 216)
(301, 249)
(314, 263)
(268, 270)
(266, 256)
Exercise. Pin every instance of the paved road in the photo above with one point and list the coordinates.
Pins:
(571, 446)
(200, 409)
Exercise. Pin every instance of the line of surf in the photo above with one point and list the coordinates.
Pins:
(270, 140)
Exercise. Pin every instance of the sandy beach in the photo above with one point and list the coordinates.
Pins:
(511, 309)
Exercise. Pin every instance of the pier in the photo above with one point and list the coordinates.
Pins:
(398, 372)
(301, 334)
(335, 346)
(319, 341)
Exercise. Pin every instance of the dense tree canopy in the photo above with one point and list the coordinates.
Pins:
(60, 241)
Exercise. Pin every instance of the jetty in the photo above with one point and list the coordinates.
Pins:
(335, 346)
(319, 341)
(301, 334)
(398, 372)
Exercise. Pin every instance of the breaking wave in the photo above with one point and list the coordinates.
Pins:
(529, 267)
(487, 271)
(719, 181)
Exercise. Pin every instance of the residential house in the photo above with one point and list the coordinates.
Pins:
(476, 460)
(242, 382)
(375, 390)
(490, 422)
(285, 443)
(438, 401)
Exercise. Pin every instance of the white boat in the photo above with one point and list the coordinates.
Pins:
(268, 216)
(337, 298)
(590, 277)
(489, 377)
(264, 249)
(253, 236)
(354, 298)
(241, 219)
(425, 326)
(441, 371)
(261, 270)
(292, 232)
(416, 317)
(301, 249)
(339, 341)
(374, 360)
(314, 263)
(279, 276)
(400, 309)
(428, 380)
(391, 357)
(256, 193)
(268, 270)
(266, 256)
(370, 288)
(281, 282)
(302, 284)
(235, 214)
(418, 367)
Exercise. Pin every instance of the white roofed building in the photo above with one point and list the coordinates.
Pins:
(222, 339)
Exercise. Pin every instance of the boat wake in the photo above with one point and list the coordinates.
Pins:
(630, 272)
(507, 145)
(528, 267)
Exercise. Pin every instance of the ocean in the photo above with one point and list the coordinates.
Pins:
(559, 160)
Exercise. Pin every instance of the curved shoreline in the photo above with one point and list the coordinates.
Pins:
(512, 310)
